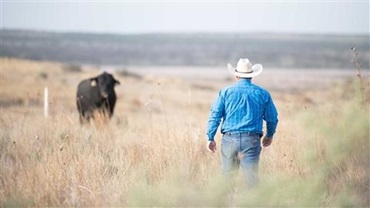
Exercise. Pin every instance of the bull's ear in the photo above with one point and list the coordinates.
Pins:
(116, 82)
(93, 82)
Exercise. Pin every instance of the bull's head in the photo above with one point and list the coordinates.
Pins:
(106, 84)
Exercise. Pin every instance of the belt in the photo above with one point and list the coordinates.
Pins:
(244, 134)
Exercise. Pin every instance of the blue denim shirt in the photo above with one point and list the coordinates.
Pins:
(242, 108)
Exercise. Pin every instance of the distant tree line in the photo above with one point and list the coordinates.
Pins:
(272, 50)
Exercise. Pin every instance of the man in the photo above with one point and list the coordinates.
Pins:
(242, 108)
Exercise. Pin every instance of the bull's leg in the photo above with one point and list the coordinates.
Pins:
(84, 118)
(107, 110)
(104, 111)
(88, 115)
(111, 111)
(81, 112)
(110, 108)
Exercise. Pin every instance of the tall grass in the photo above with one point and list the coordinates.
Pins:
(154, 154)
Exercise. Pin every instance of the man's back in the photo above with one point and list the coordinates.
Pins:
(243, 107)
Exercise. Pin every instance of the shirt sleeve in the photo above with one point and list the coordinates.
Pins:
(271, 117)
(217, 112)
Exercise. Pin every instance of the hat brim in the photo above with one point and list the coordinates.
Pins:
(256, 70)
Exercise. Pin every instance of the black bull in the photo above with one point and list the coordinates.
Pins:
(96, 94)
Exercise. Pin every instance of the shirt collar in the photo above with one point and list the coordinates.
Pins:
(244, 81)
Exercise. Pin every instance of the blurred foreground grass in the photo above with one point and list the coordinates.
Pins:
(153, 153)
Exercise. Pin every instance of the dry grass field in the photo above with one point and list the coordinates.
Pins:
(153, 151)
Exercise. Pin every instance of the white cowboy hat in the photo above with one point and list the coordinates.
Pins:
(245, 69)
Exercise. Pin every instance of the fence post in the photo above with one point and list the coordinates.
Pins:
(46, 102)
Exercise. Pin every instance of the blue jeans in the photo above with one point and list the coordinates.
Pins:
(241, 149)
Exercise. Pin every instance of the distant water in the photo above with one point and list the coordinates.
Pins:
(271, 78)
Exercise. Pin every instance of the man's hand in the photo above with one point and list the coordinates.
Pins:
(266, 141)
(211, 146)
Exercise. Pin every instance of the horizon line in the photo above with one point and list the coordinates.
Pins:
(186, 32)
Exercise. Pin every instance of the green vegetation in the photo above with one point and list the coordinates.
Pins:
(273, 50)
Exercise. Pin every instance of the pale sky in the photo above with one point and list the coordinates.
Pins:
(334, 17)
